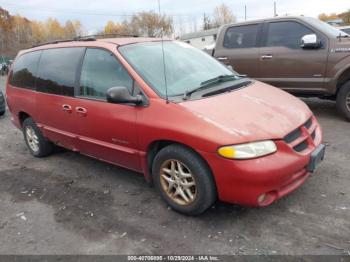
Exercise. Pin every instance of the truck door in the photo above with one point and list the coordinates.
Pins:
(238, 47)
(283, 63)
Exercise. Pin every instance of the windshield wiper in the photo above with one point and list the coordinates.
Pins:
(208, 83)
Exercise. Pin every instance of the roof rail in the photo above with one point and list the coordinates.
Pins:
(85, 38)
(97, 36)
(65, 40)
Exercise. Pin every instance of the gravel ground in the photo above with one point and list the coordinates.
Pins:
(72, 204)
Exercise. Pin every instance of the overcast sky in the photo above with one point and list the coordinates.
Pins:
(187, 13)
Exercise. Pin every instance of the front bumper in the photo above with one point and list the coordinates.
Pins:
(261, 181)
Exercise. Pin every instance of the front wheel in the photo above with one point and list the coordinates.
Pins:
(184, 180)
(343, 100)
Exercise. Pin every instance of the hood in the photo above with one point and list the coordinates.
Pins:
(257, 112)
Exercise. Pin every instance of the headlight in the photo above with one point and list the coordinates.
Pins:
(249, 150)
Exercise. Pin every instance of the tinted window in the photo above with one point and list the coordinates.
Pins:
(287, 34)
(57, 70)
(241, 36)
(24, 70)
(101, 71)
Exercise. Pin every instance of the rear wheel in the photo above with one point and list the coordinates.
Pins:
(37, 144)
(343, 100)
(184, 180)
(2, 113)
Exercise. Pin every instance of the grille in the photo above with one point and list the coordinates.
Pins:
(301, 138)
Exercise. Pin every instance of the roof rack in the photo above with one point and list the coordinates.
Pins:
(98, 36)
(85, 38)
(64, 41)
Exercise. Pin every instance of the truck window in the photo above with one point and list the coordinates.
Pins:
(101, 71)
(24, 70)
(57, 70)
(286, 34)
(241, 36)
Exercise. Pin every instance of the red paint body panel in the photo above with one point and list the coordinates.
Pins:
(122, 134)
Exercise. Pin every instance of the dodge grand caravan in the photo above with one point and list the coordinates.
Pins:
(195, 129)
(301, 55)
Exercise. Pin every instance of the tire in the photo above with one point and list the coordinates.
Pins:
(182, 158)
(33, 136)
(2, 113)
(343, 100)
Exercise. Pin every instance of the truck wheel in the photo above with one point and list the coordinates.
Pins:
(37, 144)
(184, 180)
(343, 100)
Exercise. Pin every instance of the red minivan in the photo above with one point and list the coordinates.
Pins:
(196, 129)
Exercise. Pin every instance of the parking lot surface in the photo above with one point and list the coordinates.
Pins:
(72, 204)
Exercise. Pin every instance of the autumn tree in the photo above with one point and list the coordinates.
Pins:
(325, 17)
(346, 17)
(150, 24)
(17, 32)
(223, 15)
(116, 28)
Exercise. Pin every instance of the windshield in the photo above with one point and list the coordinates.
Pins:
(186, 67)
(324, 27)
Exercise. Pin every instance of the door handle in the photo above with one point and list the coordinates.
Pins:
(81, 111)
(67, 108)
(266, 57)
(222, 58)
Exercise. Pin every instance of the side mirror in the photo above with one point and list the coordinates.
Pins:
(310, 41)
(121, 95)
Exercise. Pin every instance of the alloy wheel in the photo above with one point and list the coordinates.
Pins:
(178, 182)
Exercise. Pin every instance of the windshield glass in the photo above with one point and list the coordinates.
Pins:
(186, 67)
(322, 26)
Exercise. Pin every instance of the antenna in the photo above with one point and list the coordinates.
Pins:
(163, 54)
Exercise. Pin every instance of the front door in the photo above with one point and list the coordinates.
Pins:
(283, 63)
(240, 49)
(106, 131)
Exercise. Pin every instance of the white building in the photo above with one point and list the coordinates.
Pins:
(202, 39)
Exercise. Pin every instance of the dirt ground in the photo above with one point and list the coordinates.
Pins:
(72, 204)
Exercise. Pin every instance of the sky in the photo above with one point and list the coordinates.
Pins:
(187, 14)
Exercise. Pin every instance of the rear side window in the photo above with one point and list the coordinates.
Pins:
(24, 70)
(101, 71)
(58, 69)
(241, 36)
(287, 34)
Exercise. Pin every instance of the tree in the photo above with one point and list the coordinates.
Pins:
(207, 22)
(116, 28)
(346, 17)
(150, 24)
(325, 17)
(223, 15)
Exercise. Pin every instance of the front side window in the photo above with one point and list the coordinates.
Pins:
(286, 34)
(101, 71)
(241, 37)
(57, 70)
(182, 68)
(24, 70)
